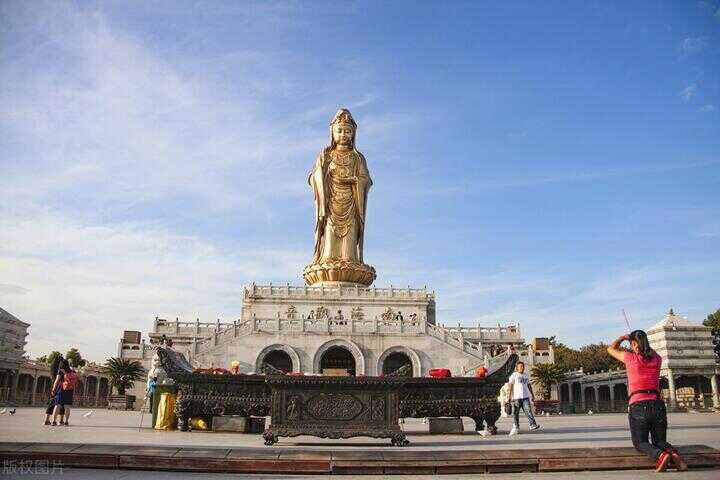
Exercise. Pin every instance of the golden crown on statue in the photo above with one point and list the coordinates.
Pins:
(343, 117)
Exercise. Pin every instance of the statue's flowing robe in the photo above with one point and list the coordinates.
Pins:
(319, 182)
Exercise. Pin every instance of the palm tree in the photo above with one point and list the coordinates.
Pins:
(123, 373)
(545, 375)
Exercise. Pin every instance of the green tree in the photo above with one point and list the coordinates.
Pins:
(123, 373)
(713, 320)
(594, 358)
(49, 358)
(73, 356)
(544, 375)
(566, 358)
(591, 358)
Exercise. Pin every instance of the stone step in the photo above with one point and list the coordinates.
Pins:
(385, 461)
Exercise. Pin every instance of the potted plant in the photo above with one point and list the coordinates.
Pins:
(545, 375)
(123, 373)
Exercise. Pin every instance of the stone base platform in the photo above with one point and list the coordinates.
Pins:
(277, 460)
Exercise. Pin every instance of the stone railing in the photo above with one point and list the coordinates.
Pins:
(197, 327)
(337, 291)
(325, 325)
(498, 334)
(454, 338)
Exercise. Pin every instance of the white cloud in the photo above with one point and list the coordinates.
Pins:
(692, 45)
(707, 108)
(82, 284)
(106, 119)
(688, 92)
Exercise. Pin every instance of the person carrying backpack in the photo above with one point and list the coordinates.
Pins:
(54, 367)
(63, 390)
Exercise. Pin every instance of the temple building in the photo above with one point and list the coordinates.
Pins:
(335, 329)
(689, 375)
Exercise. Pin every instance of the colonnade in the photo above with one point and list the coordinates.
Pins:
(608, 391)
(31, 385)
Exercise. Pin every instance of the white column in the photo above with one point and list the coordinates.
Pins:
(34, 387)
(612, 397)
(671, 388)
(97, 391)
(715, 393)
(15, 385)
(570, 393)
(597, 398)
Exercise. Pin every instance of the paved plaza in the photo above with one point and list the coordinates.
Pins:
(568, 431)
(565, 431)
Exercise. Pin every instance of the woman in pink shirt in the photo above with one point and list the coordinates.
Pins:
(646, 410)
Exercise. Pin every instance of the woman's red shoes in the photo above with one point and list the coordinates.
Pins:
(678, 461)
(662, 462)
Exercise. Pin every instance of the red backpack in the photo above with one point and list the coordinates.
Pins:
(69, 380)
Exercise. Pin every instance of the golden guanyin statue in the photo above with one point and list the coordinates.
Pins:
(340, 182)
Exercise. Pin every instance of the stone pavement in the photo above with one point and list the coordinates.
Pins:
(112, 440)
(566, 431)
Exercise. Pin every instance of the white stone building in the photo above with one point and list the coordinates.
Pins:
(339, 328)
(13, 334)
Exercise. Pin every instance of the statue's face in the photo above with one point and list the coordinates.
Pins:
(342, 134)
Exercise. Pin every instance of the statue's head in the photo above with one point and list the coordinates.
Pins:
(342, 129)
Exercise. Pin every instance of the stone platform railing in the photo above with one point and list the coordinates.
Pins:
(285, 291)
(415, 327)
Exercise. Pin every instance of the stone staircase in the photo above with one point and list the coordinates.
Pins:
(450, 337)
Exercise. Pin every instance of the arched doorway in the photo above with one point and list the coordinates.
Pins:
(394, 361)
(280, 356)
(621, 400)
(603, 400)
(104, 390)
(590, 399)
(564, 392)
(280, 360)
(337, 358)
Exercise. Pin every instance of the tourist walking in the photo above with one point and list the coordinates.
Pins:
(646, 410)
(522, 397)
(54, 367)
(63, 389)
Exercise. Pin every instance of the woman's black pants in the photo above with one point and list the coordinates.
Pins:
(649, 418)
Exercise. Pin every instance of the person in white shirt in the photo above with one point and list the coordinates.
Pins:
(522, 397)
(504, 399)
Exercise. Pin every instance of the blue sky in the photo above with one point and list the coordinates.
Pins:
(547, 163)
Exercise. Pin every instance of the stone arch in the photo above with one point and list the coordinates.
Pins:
(603, 400)
(409, 352)
(590, 400)
(105, 388)
(351, 346)
(564, 392)
(283, 348)
(620, 391)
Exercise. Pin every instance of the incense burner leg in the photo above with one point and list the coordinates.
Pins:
(399, 440)
(183, 424)
(270, 437)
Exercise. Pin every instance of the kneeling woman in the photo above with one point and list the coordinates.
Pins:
(646, 410)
